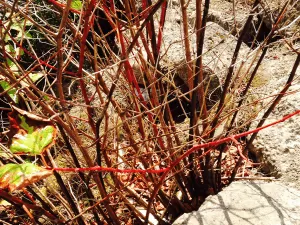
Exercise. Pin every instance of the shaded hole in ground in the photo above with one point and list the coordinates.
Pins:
(258, 33)
(180, 106)
(266, 168)
(104, 36)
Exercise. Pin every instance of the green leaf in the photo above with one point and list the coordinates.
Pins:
(35, 76)
(13, 67)
(10, 48)
(4, 203)
(76, 4)
(9, 62)
(28, 35)
(12, 92)
(21, 34)
(33, 143)
(12, 51)
(29, 133)
(25, 125)
(20, 25)
(7, 38)
(17, 26)
(17, 176)
(19, 51)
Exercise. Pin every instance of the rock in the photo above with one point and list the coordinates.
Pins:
(248, 203)
(230, 17)
(219, 46)
(279, 145)
(290, 23)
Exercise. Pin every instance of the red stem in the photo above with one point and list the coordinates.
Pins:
(208, 146)
(86, 28)
(62, 6)
(132, 81)
(161, 25)
(187, 153)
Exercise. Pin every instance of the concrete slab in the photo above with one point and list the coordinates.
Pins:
(248, 203)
